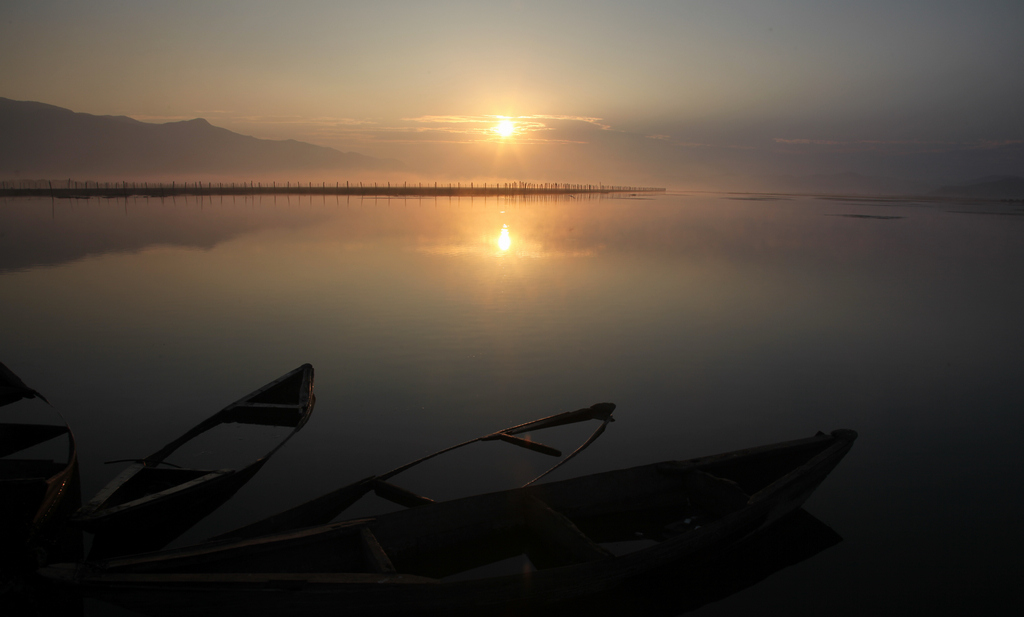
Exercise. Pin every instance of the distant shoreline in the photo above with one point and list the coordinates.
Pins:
(76, 190)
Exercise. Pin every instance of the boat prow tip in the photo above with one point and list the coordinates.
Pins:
(603, 410)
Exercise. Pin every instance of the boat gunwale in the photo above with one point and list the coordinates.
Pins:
(168, 492)
(57, 484)
(665, 550)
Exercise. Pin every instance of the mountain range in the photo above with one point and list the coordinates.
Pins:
(40, 140)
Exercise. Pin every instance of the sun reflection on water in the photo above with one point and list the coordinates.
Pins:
(503, 240)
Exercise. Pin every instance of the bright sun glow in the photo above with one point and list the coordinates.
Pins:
(505, 128)
(503, 240)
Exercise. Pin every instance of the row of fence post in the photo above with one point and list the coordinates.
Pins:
(90, 187)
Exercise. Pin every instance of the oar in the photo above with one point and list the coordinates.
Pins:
(326, 507)
(524, 443)
(592, 439)
(599, 411)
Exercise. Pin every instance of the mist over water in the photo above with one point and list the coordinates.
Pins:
(714, 323)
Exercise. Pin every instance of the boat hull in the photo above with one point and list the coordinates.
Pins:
(36, 498)
(291, 573)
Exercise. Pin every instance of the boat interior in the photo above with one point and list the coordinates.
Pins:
(544, 526)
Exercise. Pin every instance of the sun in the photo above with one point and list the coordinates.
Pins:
(505, 128)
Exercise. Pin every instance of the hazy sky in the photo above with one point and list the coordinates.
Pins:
(685, 90)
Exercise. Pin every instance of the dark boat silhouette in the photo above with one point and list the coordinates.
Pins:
(36, 495)
(583, 536)
(148, 505)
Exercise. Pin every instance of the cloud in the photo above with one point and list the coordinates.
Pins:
(530, 129)
(898, 146)
(598, 122)
(692, 144)
(817, 142)
(987, 145)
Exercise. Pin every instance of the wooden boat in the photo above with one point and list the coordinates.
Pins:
(148, 505)
(582, 536)
(36, 495)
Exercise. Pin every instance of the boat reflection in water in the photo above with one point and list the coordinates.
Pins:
(682, 588)
(676, 589)
(679, 588)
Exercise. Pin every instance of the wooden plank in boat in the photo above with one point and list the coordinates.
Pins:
(524, 443)
(551, 530)
(376, 558)
(399, 495)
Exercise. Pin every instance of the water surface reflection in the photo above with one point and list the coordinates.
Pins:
(504, 241)
(714, 323)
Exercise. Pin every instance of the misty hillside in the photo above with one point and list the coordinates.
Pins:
(996, 187)
(44, 140)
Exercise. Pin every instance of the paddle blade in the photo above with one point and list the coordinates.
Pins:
(525, 443)
(598, 411)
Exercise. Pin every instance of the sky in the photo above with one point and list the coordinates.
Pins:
(684, 93)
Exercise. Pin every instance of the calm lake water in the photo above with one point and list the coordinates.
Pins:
(713, 322)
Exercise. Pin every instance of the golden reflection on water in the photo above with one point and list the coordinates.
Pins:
(503, 240)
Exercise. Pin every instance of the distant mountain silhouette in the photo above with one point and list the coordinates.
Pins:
(37, 139)
(996, 187)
